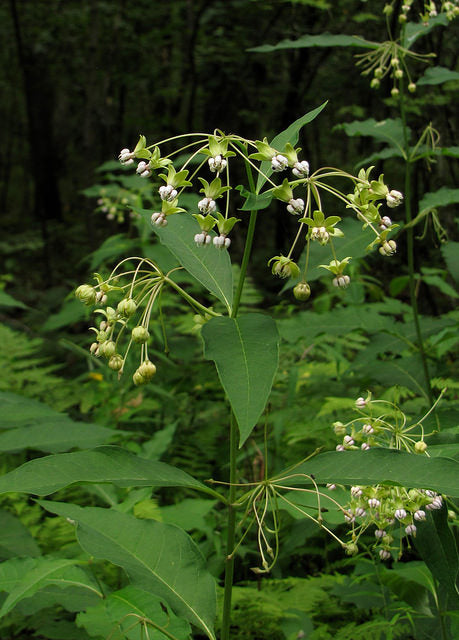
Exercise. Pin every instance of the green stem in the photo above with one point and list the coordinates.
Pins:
(231, 534)
(410, 250)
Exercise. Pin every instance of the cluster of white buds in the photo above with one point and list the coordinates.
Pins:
(301, 169)
(167, 193)
(388, 248)
(342, 281)
(207, 205)
(394, 198)
(143, 169)
(159, 219)
(279, 163)
(295, 206)
(202, 238)
(126, 157)
(385, 223)
(386, 508)
(222, 242)
(320, 234)
(217, 164)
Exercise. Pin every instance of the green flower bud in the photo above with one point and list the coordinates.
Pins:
(302, 291)
(107, 348)
(147, 370)
(140, 335)
(116, 362)
(412, 87)
(138, 379)
(86, 294)
(420, 447)
(102, 336)
(127, 307)
(351, 549)
(375, 83)
(339, 428)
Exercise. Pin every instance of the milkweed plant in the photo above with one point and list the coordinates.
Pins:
(244, 347)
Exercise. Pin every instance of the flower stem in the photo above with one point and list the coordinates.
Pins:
(231, 533)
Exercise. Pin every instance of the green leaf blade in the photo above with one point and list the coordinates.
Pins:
(210, 266)
(246, 353)
(46, 475)
(158, 557)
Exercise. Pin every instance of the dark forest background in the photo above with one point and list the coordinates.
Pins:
(81, 79)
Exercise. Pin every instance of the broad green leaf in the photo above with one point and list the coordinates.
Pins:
(188, 514)
(415, 30)
(406, 372)
(384, 154)
(411, 582)
(437, 75)
(210, 266)
(158, 557)
(15, 539)
(53, 437)
(389, 130)
(379, 466)
(441, 198)
(246, 352)
(436, 544)
(322, 40)
(291, 135)
(8, 301)
(59, 630)
(121, 611)
(450, 252)
(46, 475)
(254, 201)
(23, 578)
(18, 411)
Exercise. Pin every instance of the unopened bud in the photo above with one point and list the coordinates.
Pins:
(140, 335)
(86, 294)
(302, 291)
(116, 362)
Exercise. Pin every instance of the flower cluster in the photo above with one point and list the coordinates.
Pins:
(314, 225)
(430, 9)
(382, 424)
(390, 510)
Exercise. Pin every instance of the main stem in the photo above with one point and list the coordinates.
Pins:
(410, 251)
(231, 534)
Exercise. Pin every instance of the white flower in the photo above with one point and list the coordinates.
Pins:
(349, 516)
(143, 169)
(217, 164)
(167, 192)
(320, 234)
(361, 513)
(159, 219)
(301, 169)
(341, 281)
(368, 429)
(373, 503)
(279, 163)
(202, 238)
(356, 492)
(126, 157)
(207, 205)
(330, 485)
(394, 198)
(295, 206)
(348, 441)
(435, 504)
(222, 242)
(419, 515)
(410, 529)
(339, 447)
(384, 554)
(380, 533)
(365, 446)
(400, 514)
(360, 403)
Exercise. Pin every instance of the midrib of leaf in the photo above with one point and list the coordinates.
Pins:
(76, 583)
(157, 576)
(246, 364)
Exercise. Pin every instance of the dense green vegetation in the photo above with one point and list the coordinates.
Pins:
(146, 493)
